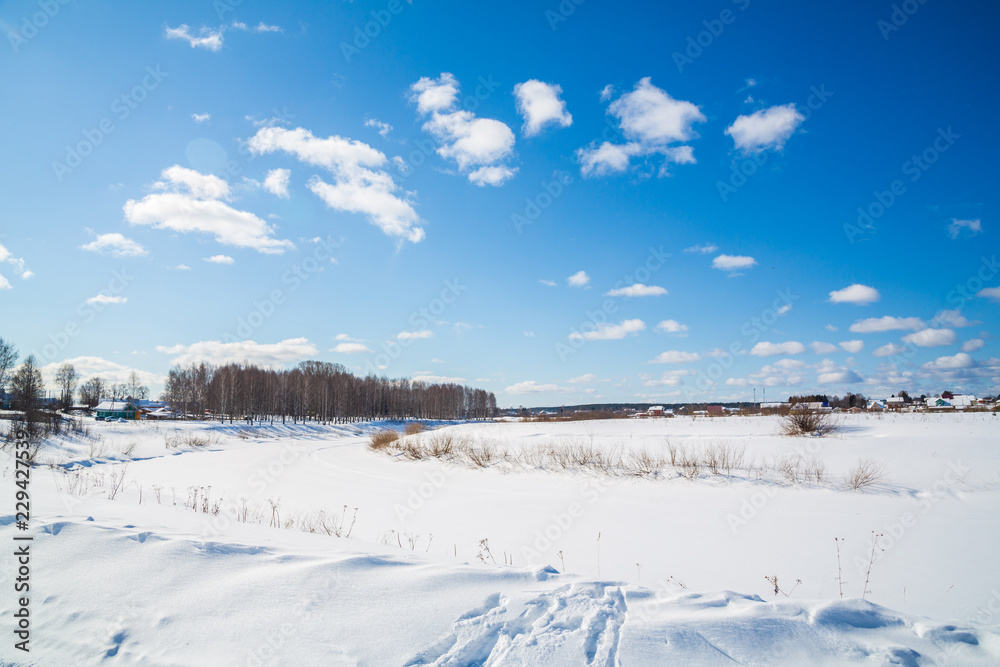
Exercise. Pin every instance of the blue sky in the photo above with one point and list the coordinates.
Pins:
(561, 203)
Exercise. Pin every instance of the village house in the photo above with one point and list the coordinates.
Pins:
(116, 409)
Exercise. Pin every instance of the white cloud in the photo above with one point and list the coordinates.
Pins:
(262, 354)
(435, 95)
(784, 309)
(651, 120)
(532, 387)
(606, 158)
(182, 267)
(472, 142)
(201, 117)
(608, 331)
(931, 338)
(116, 245)
(887, 323)
(830, 327)
(705, 248)
(361, 183)
(539, 104)
(766, 349)
(953, 318)
(856, 294)
(649, 115)
(427, 378)
(17, 263)
(672, 326)
(383, 128)
(671, 378)
(607, 92)
(200, 209)
(109, 371)
(992, 293)
(733, 262)
(586, 378)
(414, 335)
(852, 346)
(676, 357)
(960, 360)
(495, 175)
(105, 299)
(549, 283)
(972, 227)
(819, 347)
(843, 376)
(973, 345)
(219, 259)
(764, 129)
(263, 27)
(889, 350)
(351, 348)
(206, 38)
(637, 289)
(578, 279)
(276, 182)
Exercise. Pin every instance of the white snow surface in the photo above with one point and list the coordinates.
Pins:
(606, 569)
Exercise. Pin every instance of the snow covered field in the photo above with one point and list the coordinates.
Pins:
(203, 555)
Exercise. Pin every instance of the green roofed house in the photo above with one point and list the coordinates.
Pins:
(116, 410)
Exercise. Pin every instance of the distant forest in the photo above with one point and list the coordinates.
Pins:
(317, 391)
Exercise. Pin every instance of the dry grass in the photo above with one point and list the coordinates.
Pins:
(191, 440)
(865, 473)
(725, 459)
(383, 439)
(818, 424)
(414, 427)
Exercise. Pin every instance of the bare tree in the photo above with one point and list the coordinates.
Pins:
(27, 387)
(136, 389)
(8, 358)
(92, 391)
(66, 378)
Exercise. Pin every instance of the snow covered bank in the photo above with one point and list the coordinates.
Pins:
(183, 578)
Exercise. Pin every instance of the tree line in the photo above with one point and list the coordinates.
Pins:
(312, 391)
(316, 391)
